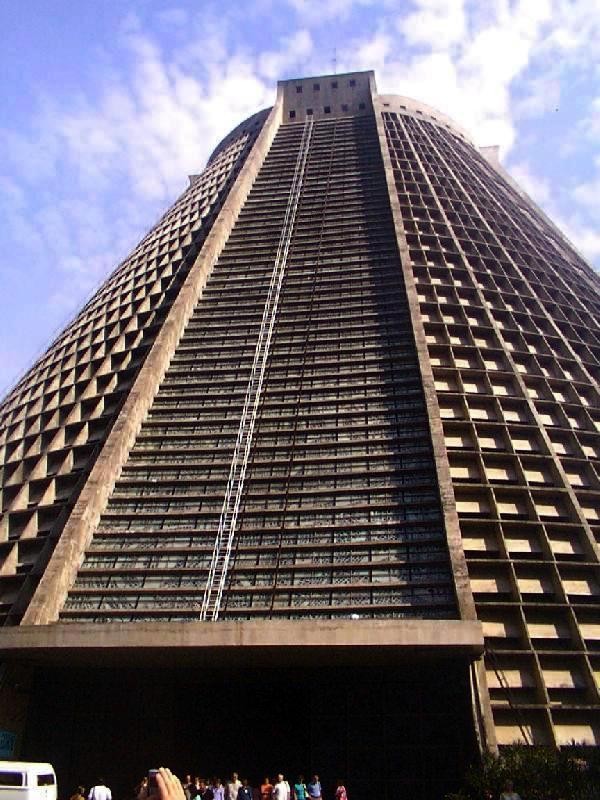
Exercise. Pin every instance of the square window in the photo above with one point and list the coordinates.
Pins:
(334, 84)
(351, 82)
(344, 107)
(309, 112)
(327, 109)
(292, 114)
(298, 90)
(316, 86)
(361, 106)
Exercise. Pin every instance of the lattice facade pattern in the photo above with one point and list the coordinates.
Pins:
(343, 507)
(512, 320)
(53, 424)
(340, 510)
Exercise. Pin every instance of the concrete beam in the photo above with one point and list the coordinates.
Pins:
(293, 642)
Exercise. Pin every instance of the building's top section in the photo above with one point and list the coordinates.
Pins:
(330, 96)
(326, 96)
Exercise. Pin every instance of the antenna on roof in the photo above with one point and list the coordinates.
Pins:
(335, 60)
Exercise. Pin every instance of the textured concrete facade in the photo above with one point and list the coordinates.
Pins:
(362, 416)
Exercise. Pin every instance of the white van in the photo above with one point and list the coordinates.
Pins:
(27, 780)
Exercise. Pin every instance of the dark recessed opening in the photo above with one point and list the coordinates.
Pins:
(374, 708)
(361, 106)
(351, 82)
(309, 112)
(327, 109)
(292, 114)
(298, 90)
(334, 84)
(316, 86)
(344, 106)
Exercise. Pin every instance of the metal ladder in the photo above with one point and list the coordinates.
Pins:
(308, 317)
(217, 575)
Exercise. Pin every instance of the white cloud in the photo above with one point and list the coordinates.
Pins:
(587, 193)
(537, 188)
(543, 96)
(465, 62)
(585, 237)
(435, 24)
(589, 125)
(293, 50)
(469, 56)
(574, 33)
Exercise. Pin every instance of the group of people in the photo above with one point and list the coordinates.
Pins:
(170, 788)
(235, 789)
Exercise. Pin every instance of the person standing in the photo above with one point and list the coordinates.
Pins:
(340, 792)
(300, 790)
(195, 788)
(100, 791)
(233, 787)
(281, 790)
(314, 788)
(245, 791)
(187, 787)
(218, 789)
(204, 790)
(266, 789)
(79, 794)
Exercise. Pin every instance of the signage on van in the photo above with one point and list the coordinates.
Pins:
(27, 780)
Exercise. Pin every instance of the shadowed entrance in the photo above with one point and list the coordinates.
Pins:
(384, 730)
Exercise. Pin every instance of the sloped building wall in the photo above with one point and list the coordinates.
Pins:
(511, 315)
(55, 421)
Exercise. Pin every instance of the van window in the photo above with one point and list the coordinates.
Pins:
(45, 780)
(12, 779)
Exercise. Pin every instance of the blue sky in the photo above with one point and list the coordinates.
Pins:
(107, 105)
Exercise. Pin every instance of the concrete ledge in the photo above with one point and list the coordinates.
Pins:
(257, 642)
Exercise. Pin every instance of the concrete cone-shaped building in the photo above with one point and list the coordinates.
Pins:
(311, 484)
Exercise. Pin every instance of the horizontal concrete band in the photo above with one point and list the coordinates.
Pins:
(256, 642)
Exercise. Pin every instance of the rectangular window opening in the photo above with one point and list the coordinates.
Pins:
(11, 778)
(298, 90)
(292, 114)
(327, 109)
